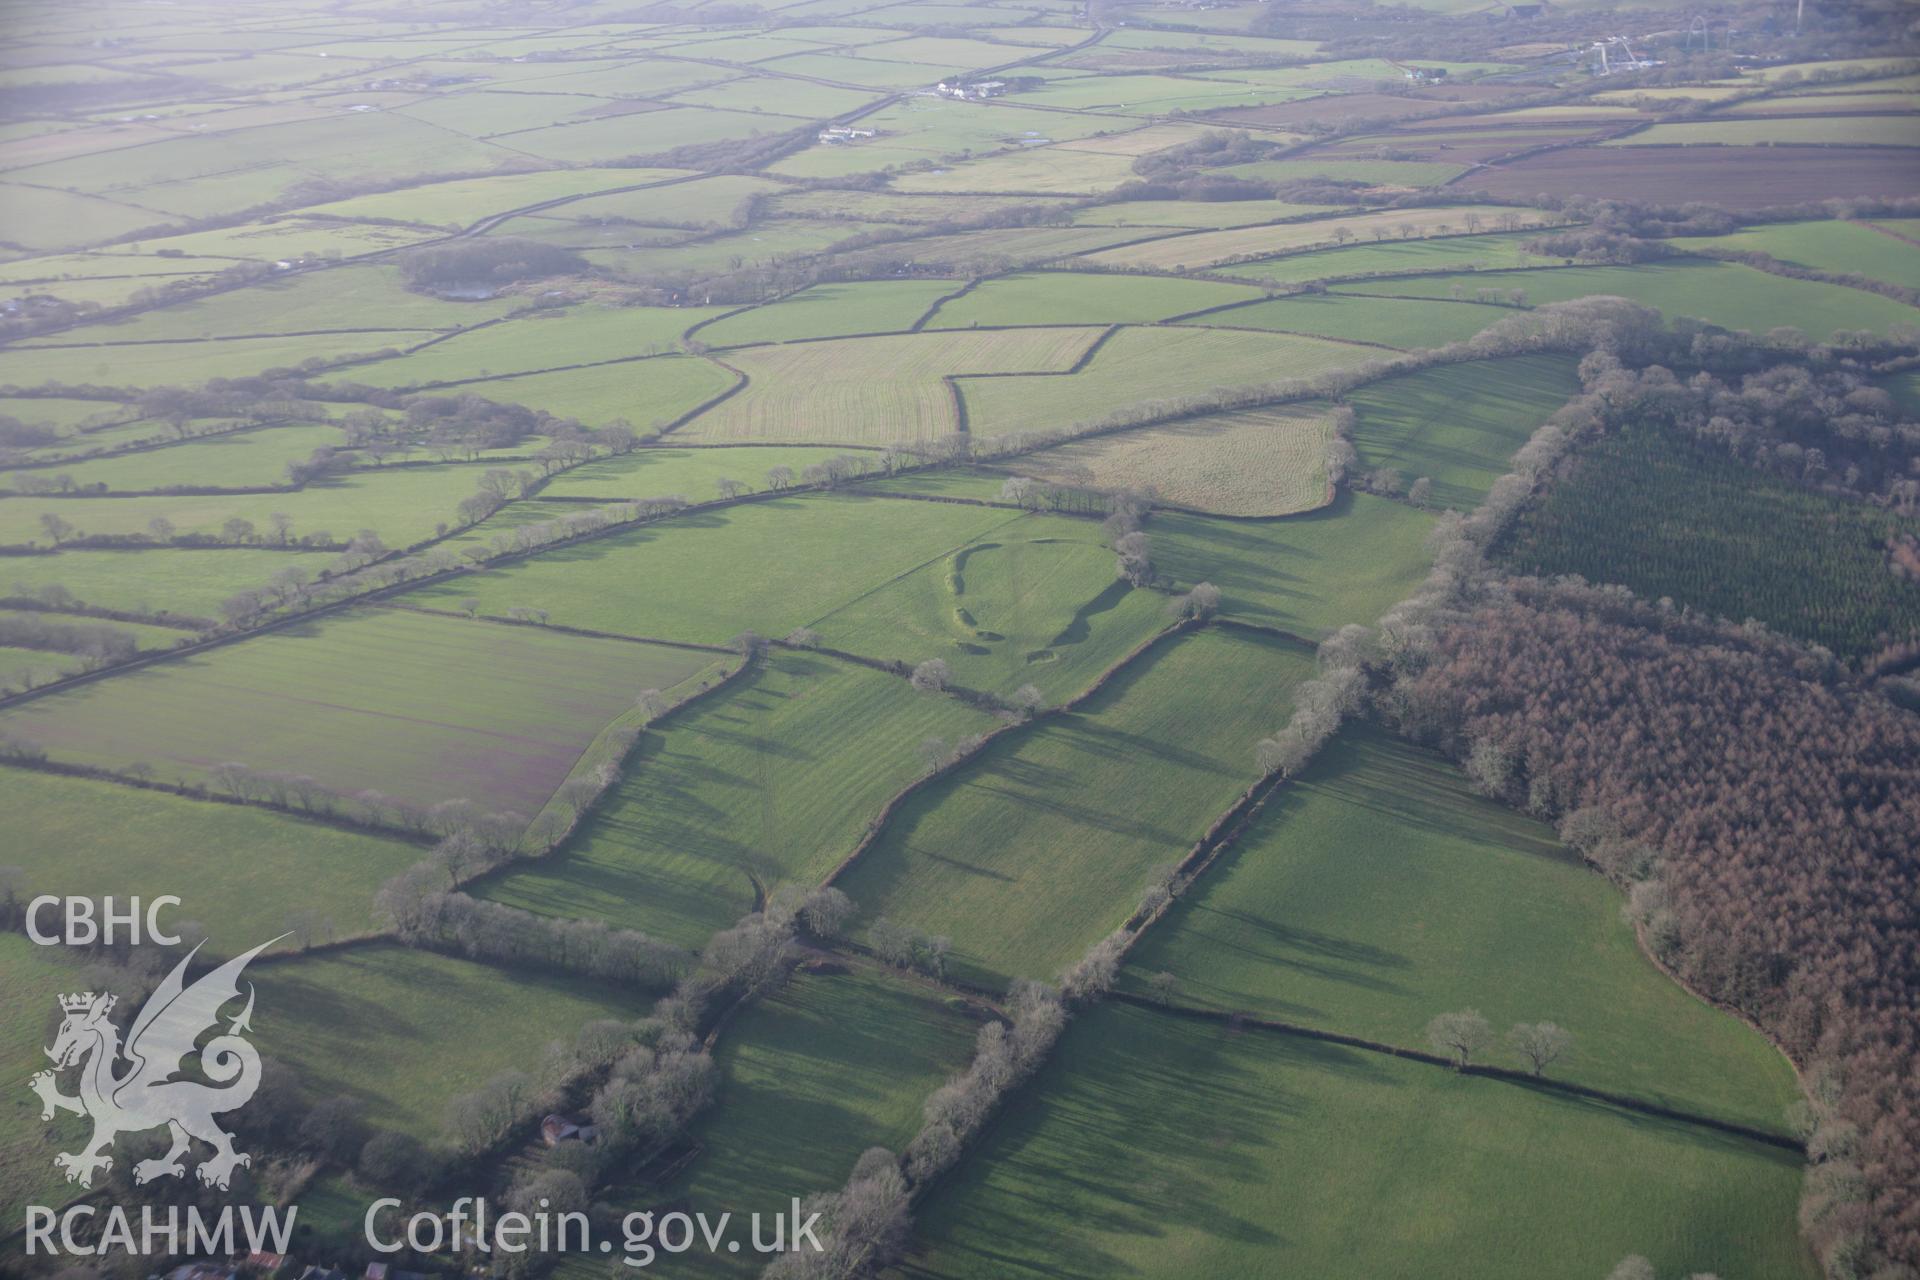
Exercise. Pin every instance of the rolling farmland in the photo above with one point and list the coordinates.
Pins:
(872, 391)
(985, 859)
(748, 791)
(1236, 1122)
(378, 701)
(1014, 622)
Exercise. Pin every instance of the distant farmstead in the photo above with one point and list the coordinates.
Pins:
(980, 89)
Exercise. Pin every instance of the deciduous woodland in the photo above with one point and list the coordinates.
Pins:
(1119, 639)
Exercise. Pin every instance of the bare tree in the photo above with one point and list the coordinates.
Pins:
(1028, 699)
(1162, 986)
(652, 703)
(1459, 1036)
(1135, 562)
(57, 529)
(1541, 1043)
(932, 675)
(1420, 492)
(893, 943)
(825, 913)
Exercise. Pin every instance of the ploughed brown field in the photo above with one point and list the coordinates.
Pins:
(1478, 147)
(1737, 177)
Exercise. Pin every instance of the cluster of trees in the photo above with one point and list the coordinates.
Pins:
(1201, 602)
(1005, 1053)
(1461, 1035)
(467, 425)
(906, 947)
(96, 645)
(1762, 815)
(487, 262)
(656, 1083)
(15, 434)
(863, 1227)
(1049, 495)
(1817, 419)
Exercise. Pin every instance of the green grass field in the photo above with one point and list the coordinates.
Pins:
(1310, 574)
(401, 504)
(1458, 424)
(1380, 890)
(64, 414)
(1068, 298)
(546, 340)
(1851, 248)
(1148, 365)
(188, 583)
(229, 864)
(185, 363)
(402, 1032)
(1393, 257)
(1254, 462)
(831, 310)
(378, 699)
(245, 458)
(1722, 293)
(347, 298)
(1035, 602)
(1034, 170)
(872, 391)
(660, 218)
(772, 782)
(1152, 1146)
(766, 566)
(1681, 519)
(1025, 869)
(1389, 322)
(831, 1064)
(645, 393)
(29, 668)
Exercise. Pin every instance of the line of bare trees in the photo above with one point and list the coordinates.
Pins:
(428, 915)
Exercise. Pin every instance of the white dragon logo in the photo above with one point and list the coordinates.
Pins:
(146, 1095)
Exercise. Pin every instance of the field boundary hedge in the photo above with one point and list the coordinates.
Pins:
(877, 825)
